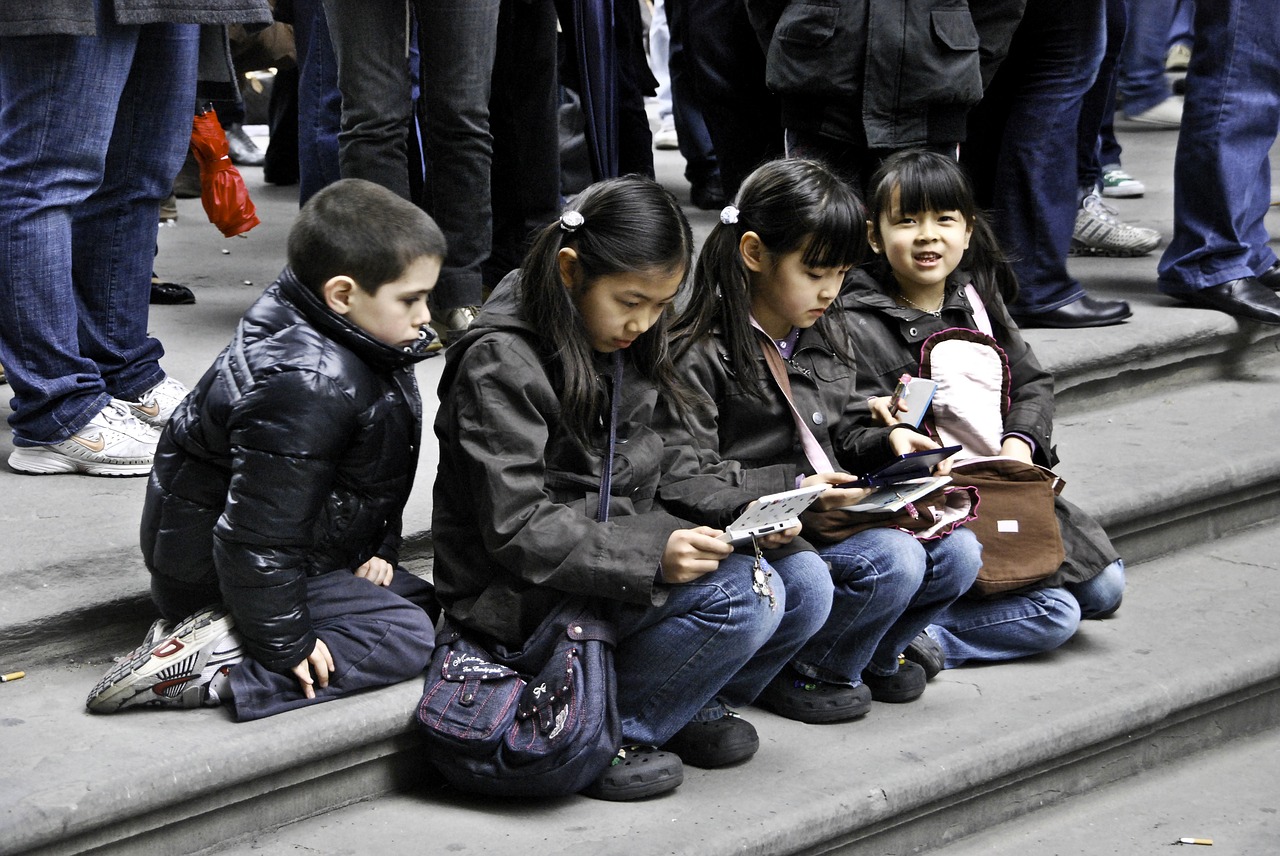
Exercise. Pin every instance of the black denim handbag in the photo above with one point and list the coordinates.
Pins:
(541, 721)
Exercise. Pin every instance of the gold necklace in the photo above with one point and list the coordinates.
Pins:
(936, 313)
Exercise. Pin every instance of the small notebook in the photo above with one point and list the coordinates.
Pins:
(772, 513)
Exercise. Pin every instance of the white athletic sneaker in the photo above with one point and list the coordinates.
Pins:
(1098, 232)
(1166, 114)
(157, 404)
(114, 443)
(665, 137)
(175, 671)
(1118, 184)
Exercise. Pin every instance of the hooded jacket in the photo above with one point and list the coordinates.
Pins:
(515, 497)
(292, 457)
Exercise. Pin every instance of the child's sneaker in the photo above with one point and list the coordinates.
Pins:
(1118, 184)
(178, 671)
(114, 443)
(157, 404)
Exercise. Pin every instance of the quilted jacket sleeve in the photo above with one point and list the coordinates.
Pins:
(287, 435)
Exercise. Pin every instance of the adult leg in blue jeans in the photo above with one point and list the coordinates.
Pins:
(82, 186)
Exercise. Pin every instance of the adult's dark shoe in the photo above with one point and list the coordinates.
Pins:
(1085, 312)
(708, 195)
(1271, 277)
(243, 150)
(170, 293)
(1244, 298)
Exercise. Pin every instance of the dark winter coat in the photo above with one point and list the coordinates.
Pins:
(882, 74)
(77, 17)
(515, 497)
(760, 433)
(888, 338)
(292, 457)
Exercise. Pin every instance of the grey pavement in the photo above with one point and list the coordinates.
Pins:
(1196, 626)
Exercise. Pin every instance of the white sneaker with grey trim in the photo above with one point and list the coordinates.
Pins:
(114, 443)
(157, 404)
(1099, 232)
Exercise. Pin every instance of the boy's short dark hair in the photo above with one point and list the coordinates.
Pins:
(362, 230)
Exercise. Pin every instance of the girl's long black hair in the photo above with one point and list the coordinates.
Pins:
(629, 225)
(792, 204)
(929, 181)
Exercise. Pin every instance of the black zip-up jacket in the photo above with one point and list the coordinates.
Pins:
(292, 457)
(515, 497)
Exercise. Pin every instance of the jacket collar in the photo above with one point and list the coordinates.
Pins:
(379, 355)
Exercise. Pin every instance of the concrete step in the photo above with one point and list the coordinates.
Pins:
(1183, 667)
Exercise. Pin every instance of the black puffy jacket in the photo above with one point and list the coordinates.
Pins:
(292, 457)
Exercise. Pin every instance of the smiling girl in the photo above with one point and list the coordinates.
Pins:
(766, 279)
(940, 268)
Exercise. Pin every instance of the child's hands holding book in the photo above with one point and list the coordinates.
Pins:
(690, 553)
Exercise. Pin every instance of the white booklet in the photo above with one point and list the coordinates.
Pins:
(771, 513)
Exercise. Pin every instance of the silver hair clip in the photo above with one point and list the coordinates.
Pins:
(571, 221)
(729, 215)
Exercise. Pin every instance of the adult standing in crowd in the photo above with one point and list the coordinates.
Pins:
(95, 118)
(1218, 257)
(457, 40)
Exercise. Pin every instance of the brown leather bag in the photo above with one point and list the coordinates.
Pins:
(1016, 523)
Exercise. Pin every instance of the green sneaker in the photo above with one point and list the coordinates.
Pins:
(1118, 184)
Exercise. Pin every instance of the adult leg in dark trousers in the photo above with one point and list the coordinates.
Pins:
(726, 67)
(526, 142)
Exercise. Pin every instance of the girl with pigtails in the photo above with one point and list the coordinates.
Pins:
(775, 377)
(567, 360)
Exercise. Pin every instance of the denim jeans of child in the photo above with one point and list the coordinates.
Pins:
(1024, 623)
(92, 131)
(888, 588)
(713, 639)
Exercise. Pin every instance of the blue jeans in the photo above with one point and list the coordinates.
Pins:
(713, 642)
(1221, 171)
(319, 102)
(92, 131)
(1024, 623)
(1096, 143)
(457, 42)
(1141, 80)
(888, 588)
(1022, 145)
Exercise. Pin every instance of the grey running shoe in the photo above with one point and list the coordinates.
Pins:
(1099, 232)
(114, 443)
(177, 670)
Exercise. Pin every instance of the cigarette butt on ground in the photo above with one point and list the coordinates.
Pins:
(12, 676)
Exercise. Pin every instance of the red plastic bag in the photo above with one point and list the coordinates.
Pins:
(226, 199)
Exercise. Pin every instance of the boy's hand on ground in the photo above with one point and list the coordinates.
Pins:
(377, 571)
(318, 663)
(690, 553)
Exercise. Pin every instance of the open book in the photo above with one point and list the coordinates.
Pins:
(894, 497)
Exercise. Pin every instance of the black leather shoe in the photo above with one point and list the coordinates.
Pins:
(1085, 312)
(1271, 277)
(243, 150)
(170, 293)
(1244, 298)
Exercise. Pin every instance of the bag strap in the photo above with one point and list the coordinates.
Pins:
(773, 359)
(980, 316)
(606, 473)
